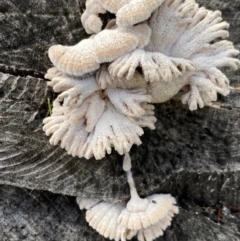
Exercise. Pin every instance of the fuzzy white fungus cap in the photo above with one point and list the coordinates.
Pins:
(155, 66)
(136, 11)
(87, 55)
(90, 19)
(112, 5)
(104, 218)
(89, 121)
(92, 129)
(128, 12)
(112, 129)
(187, 50)
(151, 211)
(147, 218)
(141, 213)
(129, 101)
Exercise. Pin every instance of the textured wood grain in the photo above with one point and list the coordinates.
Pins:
(30, 27)
(40, 216)
(28, 160)
(193, 155)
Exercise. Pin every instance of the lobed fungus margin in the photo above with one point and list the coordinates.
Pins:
(104, 101)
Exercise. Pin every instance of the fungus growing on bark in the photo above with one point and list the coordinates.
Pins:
(187, 51)
(90, 121)
(128, 12)
(87, 55)
(147, 218)
(90, 19)
(107, 85)
(142, 213)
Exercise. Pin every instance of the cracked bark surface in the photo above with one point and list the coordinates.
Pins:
(195, 156)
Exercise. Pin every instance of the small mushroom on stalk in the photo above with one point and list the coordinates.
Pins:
(147, 218)
(141, 213)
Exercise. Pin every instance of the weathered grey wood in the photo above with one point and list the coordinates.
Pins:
(193, 155)
(40, 216)
(30, 27)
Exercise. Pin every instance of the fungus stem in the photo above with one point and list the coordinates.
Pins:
(135, 204)
(132, 187)
(127, 165)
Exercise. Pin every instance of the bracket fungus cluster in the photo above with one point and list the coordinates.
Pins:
(107, 85)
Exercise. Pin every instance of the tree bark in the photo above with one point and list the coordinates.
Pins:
(195, 156)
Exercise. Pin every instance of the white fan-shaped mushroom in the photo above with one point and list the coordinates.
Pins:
(103, 218)
(202, 92)
(89, 117)
(148, 119)
(72, 88)
(87, 55)
(184, 43)
(143, 213)
(193, 98)
(73, 124)
(155, 66)
(112, 130)
(51, 73)
(90, 20)
(129, 101)
(91, 110)
(136, 11)
(130, 12)
(147, 218)
(103, 77)
(183, 47)
(74, 60)
(154, 231)
(112, 5)
(72, 136)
